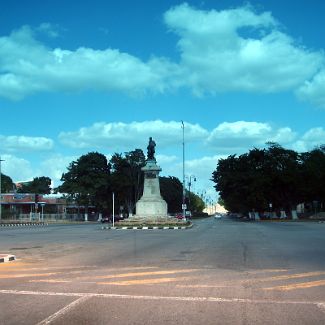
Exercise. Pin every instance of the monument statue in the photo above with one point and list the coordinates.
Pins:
(151, 205)
(151, 149)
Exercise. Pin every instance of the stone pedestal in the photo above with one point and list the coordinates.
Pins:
(151, 205)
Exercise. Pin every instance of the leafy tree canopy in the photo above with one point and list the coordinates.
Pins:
(7, 184)
(274, 175)
(87, 180)
(39, 185)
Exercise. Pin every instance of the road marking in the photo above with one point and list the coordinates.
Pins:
(321, 306)
(302, 285)
(167, 298)
(26, 275)
(62, 311)
(267, 271)
(143, 281)
(286, 277)
(50, 281)
(126, 275)
(205, 286)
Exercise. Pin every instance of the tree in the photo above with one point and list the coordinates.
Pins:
(87, 180)
(261, 176)
(127, 178)
(39, 185)
(7, 184)
(313, 174)
(171, 190)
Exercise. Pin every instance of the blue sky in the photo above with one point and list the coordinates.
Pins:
(81, 76)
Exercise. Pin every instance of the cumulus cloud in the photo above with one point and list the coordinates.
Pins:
(239, 136)
(55, 166)
(28, 66)
(220, 51)
(25, 143)
(18, 169)
(314, 90)
(311, 139)
(125, 136)
(238, 50)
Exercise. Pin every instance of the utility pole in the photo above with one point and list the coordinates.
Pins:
(183, 200)
(1, 160)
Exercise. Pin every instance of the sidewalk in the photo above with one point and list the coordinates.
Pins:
(7, 258)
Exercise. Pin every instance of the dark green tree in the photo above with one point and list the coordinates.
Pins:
(261, 176)
(171, 189)
(127, 178)
(39, 185)
(87, 181)
(7, 184)
(313, 173)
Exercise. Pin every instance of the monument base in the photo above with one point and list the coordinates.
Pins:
(151, 205)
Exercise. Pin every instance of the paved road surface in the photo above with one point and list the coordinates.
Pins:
(218, 272)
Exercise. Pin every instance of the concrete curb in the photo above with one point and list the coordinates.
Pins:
(148, 228)
(25, 224)
(7, 258)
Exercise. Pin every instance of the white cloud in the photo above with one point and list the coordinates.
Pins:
(18, 169)
(220, 51)
(314, 90)
(24, 143)
(49, 29)
(311, 139)
(55, 166)
(121, 136)
(27, 67)
(240, 136)
(238, 50)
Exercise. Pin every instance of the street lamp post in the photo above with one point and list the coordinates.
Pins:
(189, 188)
(113, 208)
(0, 191)
(183, 199)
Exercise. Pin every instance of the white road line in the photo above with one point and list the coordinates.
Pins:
(167, 298)
(321, 306)
(62, 311)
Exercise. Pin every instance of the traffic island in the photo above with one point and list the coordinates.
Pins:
(22, 224)
(145, 224)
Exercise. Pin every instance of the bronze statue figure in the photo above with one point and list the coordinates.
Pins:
(151, 149)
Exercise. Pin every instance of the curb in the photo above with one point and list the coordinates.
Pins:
(148, 228)
(23, 224)
(7, 258)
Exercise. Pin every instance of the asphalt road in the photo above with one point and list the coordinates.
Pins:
(219, 272)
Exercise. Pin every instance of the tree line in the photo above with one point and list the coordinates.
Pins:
(91, 179)
(271, 178)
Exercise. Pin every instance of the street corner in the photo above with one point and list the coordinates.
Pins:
(7, 258)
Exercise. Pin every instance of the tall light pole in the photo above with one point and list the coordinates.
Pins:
(183, 200)
(1, 160)
(189, 188)
(113, 209)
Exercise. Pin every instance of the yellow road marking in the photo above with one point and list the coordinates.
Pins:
(10, 276)
(286, 277)
(126, 275)
(143, 281)
(50, 281)
(267, 271)
(302, 285)
(205, 286)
